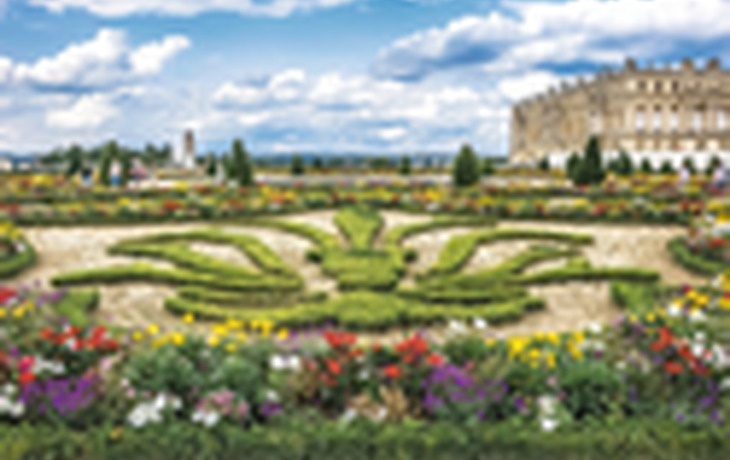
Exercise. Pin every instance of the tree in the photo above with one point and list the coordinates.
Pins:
(75, 160)
(624, 165)
(646, 166)
(405, 165)
(227, 165)
(241, 164)
(573, 165)
(126, 168)
(488, 168)
(110, 152)
(211, 167)
(544, 164)
(317, 164)
(297, 165)
(715, 163)
(466, 167)
(667, 168)
(689, 164)
(592, 164)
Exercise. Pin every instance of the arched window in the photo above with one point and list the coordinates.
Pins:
(640, 121)
(697, 120)
(657, 118)
(674, 118)
(721, 120)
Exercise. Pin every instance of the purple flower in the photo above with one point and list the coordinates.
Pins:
(520, 404)
(64, 396)
(269, 409)
(680, 418)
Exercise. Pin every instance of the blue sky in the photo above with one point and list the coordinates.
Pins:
(325, 75)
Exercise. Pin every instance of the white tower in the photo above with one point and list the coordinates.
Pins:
(188, 150)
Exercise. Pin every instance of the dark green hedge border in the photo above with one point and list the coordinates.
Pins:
(322, 440)
(693, 262)
(17, 263)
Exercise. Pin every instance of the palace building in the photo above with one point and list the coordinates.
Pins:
(660, 114)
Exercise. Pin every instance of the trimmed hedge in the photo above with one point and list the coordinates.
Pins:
(360, 225)
(560, 275)
(457, 252)
(638, 298)
(465, 296)
(248, 299)
(16, 263)
(321, 238)
(150, 273)
(364, 310)
(76, 305)
(693, 262)
(396, 236)
(299, 438)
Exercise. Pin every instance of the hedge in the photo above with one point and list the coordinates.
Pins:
(259, 253)
(232, 298)
(560, 275)
(312, 438)
(360, 225)
(363, 310)
(396, 236)
(76, 305)
(457, 252)
(321, 238)
(465, 296)
(150, 273)
(693, 262)
(17, 262)
(638, 298)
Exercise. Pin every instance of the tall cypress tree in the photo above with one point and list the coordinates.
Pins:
(466, 169)
(242, 165)
(109, 154)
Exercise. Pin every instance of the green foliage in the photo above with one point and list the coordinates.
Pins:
(396, 235)
(590, 169)
(573, 165)
(592, 388)
(211, 168)
(667, 168)
(466, 168)
(75, 160)
(646, 166)
(17, 261)
(637, 298)
(110, 153)
(297, 165)
(689, 164)
(692, 261)
(624, 165)
(544, 164)
(76, 306)
(241, 165)
(317, 164)
(488, 167)
(405, 166)
(714, 163)
(360, 225)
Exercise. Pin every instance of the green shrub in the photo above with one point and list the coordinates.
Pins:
(691, 261)
(17, 262)
(466, 170)
(297, 165)
(360, 225)
(638, 298)
(76, 305)
(559, 275)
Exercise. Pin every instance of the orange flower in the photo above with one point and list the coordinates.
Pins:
(393, 371)
(435, 359)
(339, 339)
(334, 367)
(665, 339)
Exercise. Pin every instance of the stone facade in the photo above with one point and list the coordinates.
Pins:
(661, 114)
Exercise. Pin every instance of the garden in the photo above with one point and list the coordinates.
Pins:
(364, 320)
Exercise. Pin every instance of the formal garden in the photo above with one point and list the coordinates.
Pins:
(365, 320)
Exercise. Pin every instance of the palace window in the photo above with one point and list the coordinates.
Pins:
(721, 120)
(657, 118)
(658, 87)
(675, 86)
(697, 120)
(674, 119)
(642, 85)
(640, 122)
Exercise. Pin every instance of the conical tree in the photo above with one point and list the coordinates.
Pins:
(624, 165)
(592, 162)
(126, 168)
(297, 165)
(109, 154)
(573, 165)
(75, 160)
(211, 167)
(488, 168)
(646, 166)
(465, 172)
(405, 165)
(242, 165)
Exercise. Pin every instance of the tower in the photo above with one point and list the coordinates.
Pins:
(188, 154)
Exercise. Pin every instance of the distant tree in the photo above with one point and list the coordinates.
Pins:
(488, 168)
(297, 165)
(667, 168)
(646, 166)
(126, 161)
(241, 164)
(75, 160)
(227, 164)
(405, 165)
(689, 164)
(592, 166)
(624, 165)
(544, 164)
(714, 163)
(211, 167)
(466, 169)
(317, 164)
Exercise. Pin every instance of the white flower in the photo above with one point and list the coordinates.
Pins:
(674, 310)
(547, 405)
(363, 374)
(697, 348)
(721, 358)
(595, 328)
(278, 363)
(143, 414)
(725, 384)
(8, 389)
(207, 418)
(381, 414)
(700, 336)
(697, 316)
(349, 415)
(271, 395)
(621, 365)
(457, 326)
(17, 410)
(548, 424)
(480, 323)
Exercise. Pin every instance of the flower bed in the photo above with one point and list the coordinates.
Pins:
(16, 254)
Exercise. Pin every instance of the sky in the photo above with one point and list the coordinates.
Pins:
(371, 76)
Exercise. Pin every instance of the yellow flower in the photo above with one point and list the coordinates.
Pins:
(553, 338)
(550, 360)
(491, 342)
(189, 318)
(231, 347)
(214, 341)
(137, 336)
(220, 329)
(283, 334)
(178, 338)
(650, 317)
(534, 353)
(3, 312)
(579, 337)
(234, 324)
(19, 312)
(241, 337)
(153, 329)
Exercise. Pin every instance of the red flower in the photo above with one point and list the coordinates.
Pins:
(435, 359)
(6, 295)
(26, 363)
(25, 378)
(334, 367)
(327, 380)
(393, 371)
(673, 368)
(377, 347)
(415, 345)
(339, 339)
(48, 334)
(665, 339)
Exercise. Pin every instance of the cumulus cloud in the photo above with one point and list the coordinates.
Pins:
(104, 61)
(89, 111)
(121, 8)
(523, 35)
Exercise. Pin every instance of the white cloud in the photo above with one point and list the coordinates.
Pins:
(534, 33)
(149, 59)
(120, 8)
(89, 111)
(105, 60)
(527, 85)
(390, 134)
